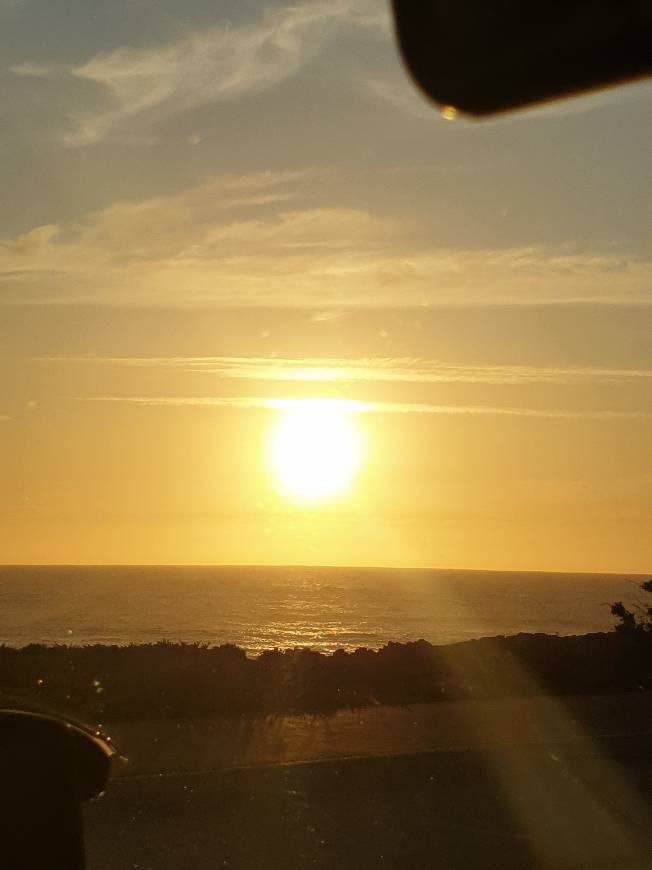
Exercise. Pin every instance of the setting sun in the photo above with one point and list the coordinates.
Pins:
(315, 450)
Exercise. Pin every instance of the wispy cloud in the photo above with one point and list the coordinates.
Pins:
(270, 404)
(29, 69)
(328, 316)
(351, 406)
(375, 369)
(400, 93)
(214, 245)
(144, 86)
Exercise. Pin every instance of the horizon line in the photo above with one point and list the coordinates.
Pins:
(319, 567)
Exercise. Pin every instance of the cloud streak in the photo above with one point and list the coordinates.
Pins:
(212, 245)
(351, 406)
(374, 369)
(198, 247)
(145, 86)
(402, 94)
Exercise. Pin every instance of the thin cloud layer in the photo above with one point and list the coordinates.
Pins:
(400, 93)
(214, 245)
(351, 406)
(375, 369)
(145, 86)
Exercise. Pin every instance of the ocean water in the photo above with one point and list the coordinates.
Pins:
(323, 608)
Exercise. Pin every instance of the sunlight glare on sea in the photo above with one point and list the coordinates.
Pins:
(322, 608)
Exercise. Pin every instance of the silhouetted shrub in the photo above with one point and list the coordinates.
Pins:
(147, 681)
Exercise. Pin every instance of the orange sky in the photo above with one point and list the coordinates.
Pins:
(187, 244)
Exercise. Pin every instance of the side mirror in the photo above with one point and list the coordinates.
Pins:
(486, 56)
(48, 768)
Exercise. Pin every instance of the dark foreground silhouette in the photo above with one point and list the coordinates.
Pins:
(474, 810)
(149, 681)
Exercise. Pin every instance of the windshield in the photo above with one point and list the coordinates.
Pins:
(325, 425)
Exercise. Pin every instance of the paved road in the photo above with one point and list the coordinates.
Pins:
(221, 742)
(574, 790)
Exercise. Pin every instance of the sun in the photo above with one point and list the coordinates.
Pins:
(315, 450)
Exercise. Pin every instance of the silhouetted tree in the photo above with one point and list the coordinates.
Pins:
(637, 620)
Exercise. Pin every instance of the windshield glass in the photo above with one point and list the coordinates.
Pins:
(325, 425)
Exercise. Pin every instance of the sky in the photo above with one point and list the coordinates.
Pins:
(213, 212)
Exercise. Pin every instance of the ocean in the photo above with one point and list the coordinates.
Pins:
(323, 608)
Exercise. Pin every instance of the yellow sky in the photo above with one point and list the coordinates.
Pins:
(211, 213)
(124, 459)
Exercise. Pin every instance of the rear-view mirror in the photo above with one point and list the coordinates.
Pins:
(486, 56)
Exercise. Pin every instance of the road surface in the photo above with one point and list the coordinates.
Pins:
(513, 783)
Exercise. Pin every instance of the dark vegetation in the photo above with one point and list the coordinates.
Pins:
(637, 620)
(148, 681)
